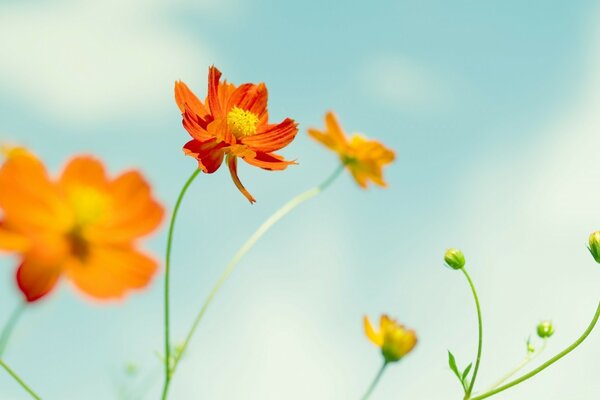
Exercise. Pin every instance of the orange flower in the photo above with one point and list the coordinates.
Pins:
(364, 158)
(394, 339)
(232, 122)
(83, 226)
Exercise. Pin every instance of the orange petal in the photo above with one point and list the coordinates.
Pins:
(185, 98)
(29, 200)
(232, 163)
(84, 170)
(251, 98)
(374, 337)
(11, 241)
(110, 272)
(275, 137)
(196, 126)
(134, 211)
(268, 161)
(36, 279)
(209, 154)
(214, 75)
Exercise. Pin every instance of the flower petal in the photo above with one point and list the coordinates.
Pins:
(109, 272)
(134, 211)
(275, 137)
(209, 154)
(11, 241)
(214, 102)
(232, 163)
(36, 279)
(186, 99)
(250, 97)
(373, 336)
(268, 161)
(333, 136)
(84, 170)
(29, 200)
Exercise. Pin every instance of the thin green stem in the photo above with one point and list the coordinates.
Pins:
(526, 360)
(264, 228)
(375, 381)
(9, 326)
(480, 333)
(547, 363)
(167, 274)
(19, 380)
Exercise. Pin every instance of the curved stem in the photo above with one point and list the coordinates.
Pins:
(264, 228)
(547, 363)
(167, 270)
(480, 332)
(526, 360)
(375, 381)
(19, 380)
(9, 326)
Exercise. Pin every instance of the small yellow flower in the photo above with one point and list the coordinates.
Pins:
(364, 158)
(394, 339)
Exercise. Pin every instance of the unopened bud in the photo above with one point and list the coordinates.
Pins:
(545, 329)
(454, 258)
(594, 245)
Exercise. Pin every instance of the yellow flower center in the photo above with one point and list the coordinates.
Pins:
(89, 205)
(241, 122)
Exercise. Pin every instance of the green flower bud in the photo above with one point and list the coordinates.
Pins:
(545, 329)
(594, 245)
(454, 258)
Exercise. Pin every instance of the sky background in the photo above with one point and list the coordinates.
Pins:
(491, 107)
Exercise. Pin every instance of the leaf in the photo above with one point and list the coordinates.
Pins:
(452, 364)
(466, 372)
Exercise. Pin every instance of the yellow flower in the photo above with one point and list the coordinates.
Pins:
(364, 158)
(394, 339)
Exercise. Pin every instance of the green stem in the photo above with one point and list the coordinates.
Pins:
(264, 228)
(19, 380)
(526, 360)
(547, 363)
(480, 333)
(375, 381)
(167, 270)
(9, 327)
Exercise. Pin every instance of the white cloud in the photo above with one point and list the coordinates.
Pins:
(91, 60)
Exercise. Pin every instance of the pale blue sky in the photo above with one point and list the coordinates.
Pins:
(491, 108)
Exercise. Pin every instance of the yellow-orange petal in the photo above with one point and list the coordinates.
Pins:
(29, 201)
(134, 212)
(110, 272)
(84, 170)
(232, 164)
(11, 241)
(373, 336)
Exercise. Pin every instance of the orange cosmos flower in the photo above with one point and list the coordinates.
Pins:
(364, 158)
(394, 339)
(82, 226)
(232, 123)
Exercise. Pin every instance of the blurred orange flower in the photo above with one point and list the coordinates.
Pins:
(83, 226)
(232, 122)
(394, 339)
(364, 158)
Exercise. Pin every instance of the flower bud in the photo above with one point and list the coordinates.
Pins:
(594, 245)
(454, 258)
(545, 329)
